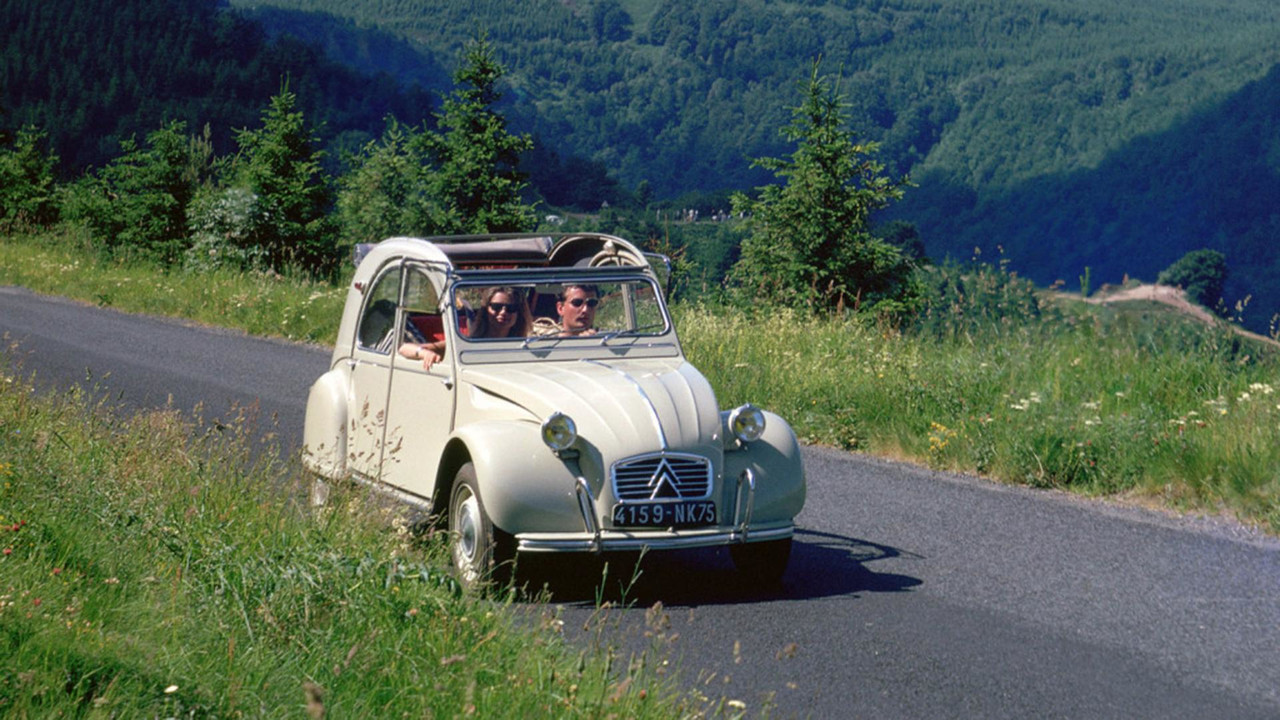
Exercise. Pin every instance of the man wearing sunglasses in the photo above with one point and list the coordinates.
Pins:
(577, 308)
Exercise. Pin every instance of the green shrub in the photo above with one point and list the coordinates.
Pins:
(137, 205)
(223, 225)
(970, 300)
(1201, 273)
(26, 181)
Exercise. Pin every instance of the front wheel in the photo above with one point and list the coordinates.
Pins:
(481, 553)
(762, 561)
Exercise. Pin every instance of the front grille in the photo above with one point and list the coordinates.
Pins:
(662, 477)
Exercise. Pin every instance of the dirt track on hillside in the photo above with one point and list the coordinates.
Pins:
(1173, 297)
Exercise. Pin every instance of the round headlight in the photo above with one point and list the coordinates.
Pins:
(559, 432)
(747, 423)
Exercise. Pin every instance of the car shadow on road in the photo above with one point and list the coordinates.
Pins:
(822, 565)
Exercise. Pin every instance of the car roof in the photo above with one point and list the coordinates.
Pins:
(508, 251)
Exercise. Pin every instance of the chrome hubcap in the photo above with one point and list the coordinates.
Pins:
(467, 527)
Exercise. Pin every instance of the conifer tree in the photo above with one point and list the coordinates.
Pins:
(137, 205)
(280, 164)
(809, 243)
(387, 191)
(26, 179)
(476, 181)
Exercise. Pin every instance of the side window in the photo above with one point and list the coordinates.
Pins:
(378, 321)
(422, 308)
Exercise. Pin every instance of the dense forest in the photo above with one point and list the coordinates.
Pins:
(991, 93)
(1066, 134)
(92, 75)
(1069, 133)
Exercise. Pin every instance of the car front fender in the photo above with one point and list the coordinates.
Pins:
(776, 466)
(525, 487)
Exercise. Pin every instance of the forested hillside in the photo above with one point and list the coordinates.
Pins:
(92, 74)
(1210, 181)
(1070, 133)
(679, 92)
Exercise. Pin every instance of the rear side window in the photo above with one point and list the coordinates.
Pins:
(378, 321)
(421, 304)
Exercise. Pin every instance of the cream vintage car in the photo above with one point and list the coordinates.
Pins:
(589, 439)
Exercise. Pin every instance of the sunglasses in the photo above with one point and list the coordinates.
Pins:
(590, 302)
(497, 307)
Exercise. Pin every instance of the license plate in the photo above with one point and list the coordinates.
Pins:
(667, 514)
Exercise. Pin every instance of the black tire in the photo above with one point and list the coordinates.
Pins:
(482, 554)
(762, 562)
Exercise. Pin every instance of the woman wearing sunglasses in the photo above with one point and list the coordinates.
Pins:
(503, 313)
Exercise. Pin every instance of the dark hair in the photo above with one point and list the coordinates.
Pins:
(586, 288)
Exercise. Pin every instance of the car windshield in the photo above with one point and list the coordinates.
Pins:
(566, 310)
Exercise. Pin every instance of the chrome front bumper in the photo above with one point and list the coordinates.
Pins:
(598, 539)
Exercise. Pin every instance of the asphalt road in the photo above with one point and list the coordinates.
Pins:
(910, 593)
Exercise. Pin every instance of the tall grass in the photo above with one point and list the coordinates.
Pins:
(1078, 398)
(152, 567)
(289, 306)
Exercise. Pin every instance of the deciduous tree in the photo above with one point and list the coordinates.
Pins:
(1202, 273)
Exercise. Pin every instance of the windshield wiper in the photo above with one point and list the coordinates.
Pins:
(606, 337)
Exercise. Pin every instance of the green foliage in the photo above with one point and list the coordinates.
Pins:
(975, 300)
(1211, 180)
(137, 205)
(26, 180)
(225, 224)
(474, 177)
(461, 179)
(808, 241)
(998, 92)
(1071, 133)
(572, 182)
(1062, 394)
(388, 189)
(1201, 273)
(92, 76)
(62, 261)
(1183, 415)
(279, 163)
(1083, 133)
(906, 237)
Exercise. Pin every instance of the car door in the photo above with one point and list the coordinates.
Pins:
(376, 343)
(420, 407)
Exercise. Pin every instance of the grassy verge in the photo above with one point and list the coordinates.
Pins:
(1086, 399)
(150, 567)
(258, 303)
(1175, 414)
